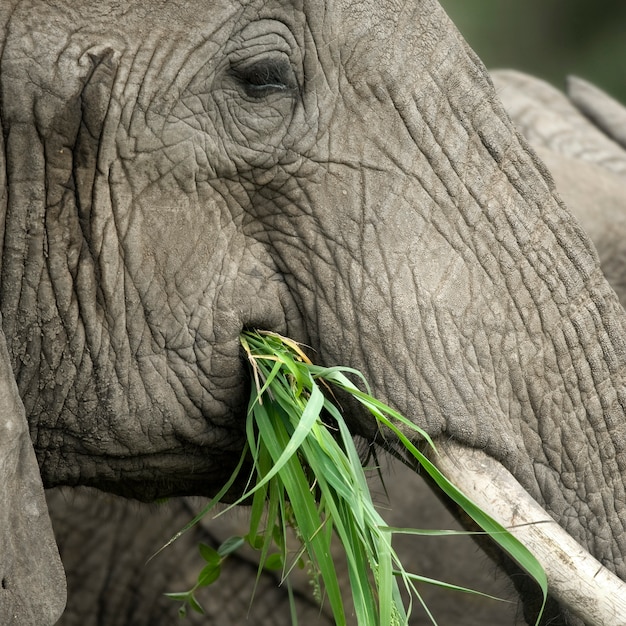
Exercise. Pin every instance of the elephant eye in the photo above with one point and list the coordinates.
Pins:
(265, 77)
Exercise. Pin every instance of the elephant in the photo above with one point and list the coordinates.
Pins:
(117, 570)
(340, 172)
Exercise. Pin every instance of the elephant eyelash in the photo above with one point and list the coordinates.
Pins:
(265, 77)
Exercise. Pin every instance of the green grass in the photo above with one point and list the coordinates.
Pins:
(308, 477)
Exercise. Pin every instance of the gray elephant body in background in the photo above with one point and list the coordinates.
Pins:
(105, 542)
(582, 140)
(106, 565)
(339, 172)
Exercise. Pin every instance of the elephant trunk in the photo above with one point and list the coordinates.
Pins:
(576, 579)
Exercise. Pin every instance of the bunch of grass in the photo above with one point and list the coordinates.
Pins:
(308, 476)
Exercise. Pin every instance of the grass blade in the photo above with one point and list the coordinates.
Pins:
(308, 474)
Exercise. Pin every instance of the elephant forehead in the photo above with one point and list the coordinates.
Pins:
(54, 44)
(131, 15)
(380, 12)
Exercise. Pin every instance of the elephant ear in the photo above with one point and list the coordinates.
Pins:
(585, 125)
(32, 580)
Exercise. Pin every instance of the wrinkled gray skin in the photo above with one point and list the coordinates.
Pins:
(340, 172)
(110, 570)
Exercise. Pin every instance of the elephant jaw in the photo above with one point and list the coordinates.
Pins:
(575, 578)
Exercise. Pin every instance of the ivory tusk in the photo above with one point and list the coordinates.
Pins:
(575, 578)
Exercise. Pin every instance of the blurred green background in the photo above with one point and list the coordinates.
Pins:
(549, 38)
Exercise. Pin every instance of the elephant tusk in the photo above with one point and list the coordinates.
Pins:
(575, 578)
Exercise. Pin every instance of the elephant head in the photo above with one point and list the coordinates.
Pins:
(341, 172)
